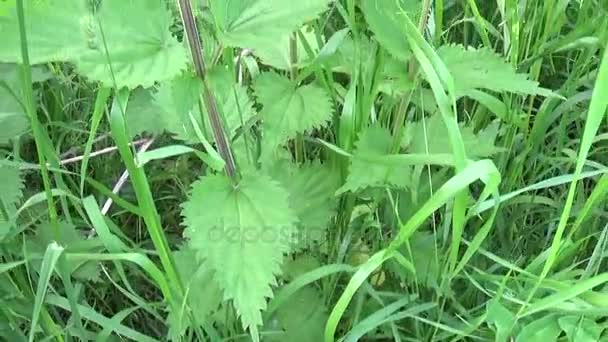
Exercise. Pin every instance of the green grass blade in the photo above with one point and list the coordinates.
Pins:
(49, 261)
(595, 116)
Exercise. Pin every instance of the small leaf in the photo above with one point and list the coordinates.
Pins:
(580, 329)
(484, 69)
(423, 256)
(278, 54)
(73, 241)
(11, 191)
(179, 97)
(502, 319)
(542, 329)
(374, 142)
(242, 232)
(311, 189)
(261, 23)
(288, 109)
(204, 295)
(143, 114)
(302, 317)
(436, 138)
(385, 20)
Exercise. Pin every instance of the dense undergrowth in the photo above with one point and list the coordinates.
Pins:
(314, 170)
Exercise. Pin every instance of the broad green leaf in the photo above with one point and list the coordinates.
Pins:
(501, 318)
(242, 232)
(66, 41)
(143, 114)
(385, 20)
(136, 33)
(580, 329)
(311, 189)
(204, 295)
(288, 110)
(432, 137)
(261, 23)
(485, 69)
(179, 97)
(139, 44)
(542, 329)
(374, 142)
(278, 54)
(302, 317)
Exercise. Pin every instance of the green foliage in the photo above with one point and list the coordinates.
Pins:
(431, 136)
(178, 98)
(303, 319)
(258, 24)
(11, 191)
(204, 294)
(374, 143)
(288, 109)
(484, 69)
(311, 189)
(355, 211)
(242, 232)
(502, 320)
(133, 35)
(385, 19)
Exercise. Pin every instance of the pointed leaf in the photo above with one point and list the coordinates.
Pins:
(242, 232)
(260, 23)
(485, 69)
(374, 141)
(179, 97)
(311, 189)
(436, 139)
(288, 109)
(385, 20)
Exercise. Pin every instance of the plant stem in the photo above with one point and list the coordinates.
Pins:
(221, 139)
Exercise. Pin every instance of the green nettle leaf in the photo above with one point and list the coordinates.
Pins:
(385, 19)
(242, 232)
(374, 143)
(485, 69)
(436, 140)
(139, 43)
(257, 24)
(580, 329)
(63, 43)
(143, 114)
(136, 34)
(278, 54)
(303, 317)
(311, 189)
(11, 191)
(204, 295)
(288, 110)
(179, 97)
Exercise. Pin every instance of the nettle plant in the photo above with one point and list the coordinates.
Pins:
(294, 143)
